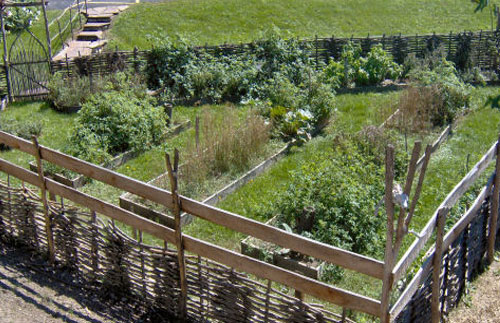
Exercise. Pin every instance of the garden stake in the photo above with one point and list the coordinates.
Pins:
(172, 174)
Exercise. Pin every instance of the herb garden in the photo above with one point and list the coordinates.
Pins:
(271, 159)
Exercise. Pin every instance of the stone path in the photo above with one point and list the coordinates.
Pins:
(91, 39)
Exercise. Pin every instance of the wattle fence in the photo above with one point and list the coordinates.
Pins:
(465, 49)
(194, 280)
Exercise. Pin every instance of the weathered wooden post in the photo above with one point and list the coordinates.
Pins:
(43, 186)
(197, 135)
(172, 174)
(494, 208)
(389, 256)
(437, 264)
(5, 53)
(47, 32)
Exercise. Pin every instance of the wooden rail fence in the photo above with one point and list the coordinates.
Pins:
(199, 280)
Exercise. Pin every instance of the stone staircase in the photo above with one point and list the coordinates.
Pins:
(90, 39)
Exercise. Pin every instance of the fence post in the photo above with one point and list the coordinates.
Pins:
(48, 224)
(389, 254)
(5, 54)
(71, 24)
(172, 174)
(436, 264)
(494, 208)
(316, 45)
(136, 63)
(47, 32)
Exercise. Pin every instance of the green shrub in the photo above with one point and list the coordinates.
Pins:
(453, 95)
(113, 122)
(66, 93)
(342, 186)
(21, 128)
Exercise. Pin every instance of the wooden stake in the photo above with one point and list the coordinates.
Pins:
(412, 167)
(389, 255)
(172, 174)
(197, 135)
(48, 224)
(436, 263)
(494, 208)
(47, 32)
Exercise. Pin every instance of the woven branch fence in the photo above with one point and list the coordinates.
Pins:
(107, 258)
(465, 49)
(190, 278)
(460, 262)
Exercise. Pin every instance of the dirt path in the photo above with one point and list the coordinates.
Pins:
(482, 305)
(31, 292)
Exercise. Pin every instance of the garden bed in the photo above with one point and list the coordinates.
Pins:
(132, 203)
(80, 180)
(268, 252)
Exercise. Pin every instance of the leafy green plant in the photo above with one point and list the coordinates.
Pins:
(18, 18)
(115, 122)
(342, 184)
(354, 69)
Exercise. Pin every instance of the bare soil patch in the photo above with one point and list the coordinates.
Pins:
(33, 291)
(482, 304)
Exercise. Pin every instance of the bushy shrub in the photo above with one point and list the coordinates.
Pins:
(21, 128)
(451, 95)
(115, 122)
(166, 63)
(341, 187)
(66, 93)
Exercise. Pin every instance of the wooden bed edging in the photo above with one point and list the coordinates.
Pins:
(127, 202)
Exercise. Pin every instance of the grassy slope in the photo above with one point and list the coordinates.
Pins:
(233, 21)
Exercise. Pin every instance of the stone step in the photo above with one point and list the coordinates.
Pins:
(89, 35)
(95, 26)
(100, 18)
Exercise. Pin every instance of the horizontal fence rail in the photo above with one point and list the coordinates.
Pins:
(455, 258)
(268, 233)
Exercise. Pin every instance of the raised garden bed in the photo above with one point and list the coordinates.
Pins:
(270, 253)
(129, 201)
(80, 180)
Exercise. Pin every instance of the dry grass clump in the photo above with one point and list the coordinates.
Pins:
(418, 107)
(227, 143)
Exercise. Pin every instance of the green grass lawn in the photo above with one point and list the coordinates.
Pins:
(233, 21)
